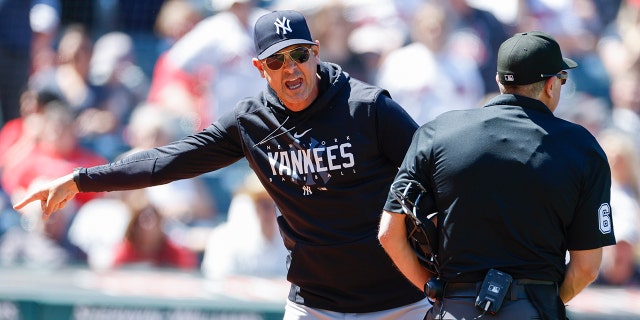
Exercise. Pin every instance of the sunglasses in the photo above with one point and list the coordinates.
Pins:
(299, 55)
(563, 76)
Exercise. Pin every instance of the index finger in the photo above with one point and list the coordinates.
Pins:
(32, 197)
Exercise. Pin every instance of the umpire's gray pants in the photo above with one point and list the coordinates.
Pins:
(414, 311)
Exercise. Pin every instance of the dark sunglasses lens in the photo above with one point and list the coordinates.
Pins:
(275, 61)
(300, 55)
(563, 78)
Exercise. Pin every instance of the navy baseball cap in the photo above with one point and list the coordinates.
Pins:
(279, 29)
(525, 57)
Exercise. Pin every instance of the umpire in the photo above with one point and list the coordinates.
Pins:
(514, 188)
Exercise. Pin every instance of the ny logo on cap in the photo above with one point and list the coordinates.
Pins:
(284, 24)
(508, 77)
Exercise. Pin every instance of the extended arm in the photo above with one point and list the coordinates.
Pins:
(581, 271)
(393, 237)
(208, 150)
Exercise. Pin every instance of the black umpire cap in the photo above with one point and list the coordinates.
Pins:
(526, 57)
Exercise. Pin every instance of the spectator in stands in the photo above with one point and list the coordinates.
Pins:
(19, 136)
(593, 113)
(248, 243)
(146, 245)
(331, 26)
(122, 84)
(481, 36)
(99, 226)
(625, 98)
(70, 78)
(198, 77)
(45, 23)
(56, 151)
(175, 19)
(364, 41)
(619, 45)
(440, 80)
(621, 264)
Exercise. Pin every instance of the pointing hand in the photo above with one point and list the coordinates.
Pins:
(53, 196)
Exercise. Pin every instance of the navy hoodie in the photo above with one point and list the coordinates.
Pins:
(328, 168)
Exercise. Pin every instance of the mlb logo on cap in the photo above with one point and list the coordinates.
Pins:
(280, 29)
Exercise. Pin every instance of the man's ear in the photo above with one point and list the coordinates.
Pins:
(549, 86)
(547, 95)
(258, 65)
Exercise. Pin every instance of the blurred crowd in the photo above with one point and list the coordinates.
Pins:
(85, 82)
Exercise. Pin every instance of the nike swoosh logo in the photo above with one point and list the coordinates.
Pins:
(298, 135)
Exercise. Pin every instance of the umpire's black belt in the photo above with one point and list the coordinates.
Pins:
(471, 289)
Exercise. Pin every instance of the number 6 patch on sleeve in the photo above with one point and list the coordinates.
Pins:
(604, 218)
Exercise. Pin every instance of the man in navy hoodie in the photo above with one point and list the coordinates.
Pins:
(324, 145)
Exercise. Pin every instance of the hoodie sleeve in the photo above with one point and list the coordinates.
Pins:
(213, 148)
(395, 128)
